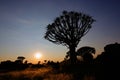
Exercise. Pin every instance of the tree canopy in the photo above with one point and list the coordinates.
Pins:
(68, 29)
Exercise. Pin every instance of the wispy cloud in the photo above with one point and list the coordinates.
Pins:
(25, 21)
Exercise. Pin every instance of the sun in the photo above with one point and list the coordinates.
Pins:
(38, 55)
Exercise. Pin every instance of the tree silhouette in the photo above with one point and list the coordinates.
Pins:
(86, 52)
(68, 29)
(20, 58)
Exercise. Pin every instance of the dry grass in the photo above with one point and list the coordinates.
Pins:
(28, 74)
(35, 74)
(40, 74)
(60, 76)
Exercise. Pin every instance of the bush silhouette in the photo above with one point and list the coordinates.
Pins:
(110, 54)
(109, 61)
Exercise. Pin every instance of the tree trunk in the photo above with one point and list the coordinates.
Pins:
(73, 57)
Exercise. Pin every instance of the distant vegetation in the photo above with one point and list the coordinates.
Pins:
(104, 67)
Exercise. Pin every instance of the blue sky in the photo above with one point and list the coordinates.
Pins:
(23, 25)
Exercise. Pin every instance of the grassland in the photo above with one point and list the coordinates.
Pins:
(45, 73)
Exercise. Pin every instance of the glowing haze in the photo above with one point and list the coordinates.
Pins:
(23, 24)
(38, 55)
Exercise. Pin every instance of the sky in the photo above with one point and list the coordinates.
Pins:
(23, 26)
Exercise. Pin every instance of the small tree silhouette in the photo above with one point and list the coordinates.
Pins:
(68, 29)
(20, 58)
(86, 52)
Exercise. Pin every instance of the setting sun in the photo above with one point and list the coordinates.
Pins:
(38, 55)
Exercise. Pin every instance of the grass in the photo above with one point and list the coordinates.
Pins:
(66, 72)
(28, 74)
(35, 74)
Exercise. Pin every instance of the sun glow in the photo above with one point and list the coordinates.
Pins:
(38, 55)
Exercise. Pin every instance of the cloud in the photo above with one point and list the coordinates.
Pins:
(25, 21)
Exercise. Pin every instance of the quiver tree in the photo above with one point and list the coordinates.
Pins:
(68, 29)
